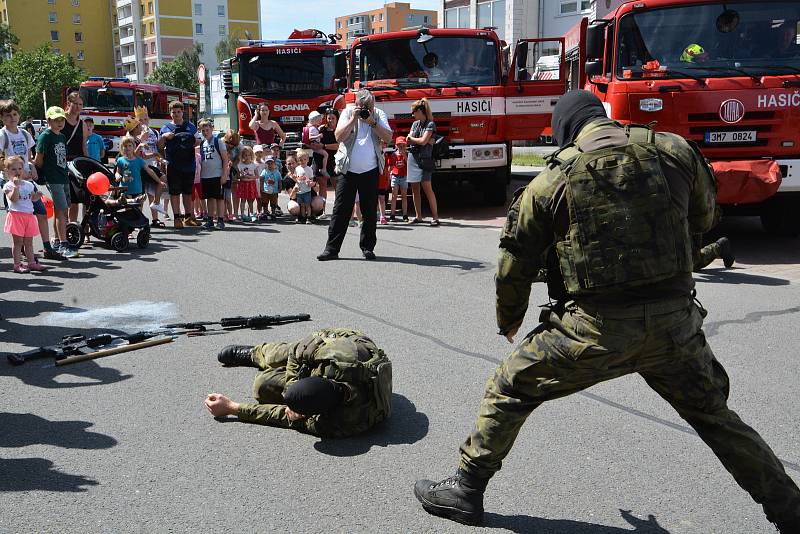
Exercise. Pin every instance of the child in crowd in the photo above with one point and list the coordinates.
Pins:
(234, 203)
(15, 141)
(148, 150)
(397, 169)
(355, 218)
(94, 143)
(20, 221)
(129, 167)
(247, 190)
(290, 179)
(214, 173)
(303, 158)
(303, 188)
(198, 204)
(270, 187)
(313, 139)
(383, 184)
(258, 150)
(275, 148)
(51, 157)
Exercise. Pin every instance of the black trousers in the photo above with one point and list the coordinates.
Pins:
(366, 184)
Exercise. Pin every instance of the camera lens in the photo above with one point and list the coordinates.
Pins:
(364, 114)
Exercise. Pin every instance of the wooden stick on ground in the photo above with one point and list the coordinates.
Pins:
(115, 350)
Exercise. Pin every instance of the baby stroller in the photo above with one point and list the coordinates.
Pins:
(111, 220)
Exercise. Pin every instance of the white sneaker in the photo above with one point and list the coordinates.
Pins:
(158, 208)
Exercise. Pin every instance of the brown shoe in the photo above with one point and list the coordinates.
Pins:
(178, 222)
(191, 221)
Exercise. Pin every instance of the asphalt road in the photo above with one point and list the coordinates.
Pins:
(124, 444)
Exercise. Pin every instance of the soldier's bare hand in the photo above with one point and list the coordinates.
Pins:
(294, 416)
(511, 333)
(220, 405)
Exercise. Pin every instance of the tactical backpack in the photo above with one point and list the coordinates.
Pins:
(372, 368)
(623, 231)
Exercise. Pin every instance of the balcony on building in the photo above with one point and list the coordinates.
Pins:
(127, 21)
(129, 59)
(123, 3)
(127, 40)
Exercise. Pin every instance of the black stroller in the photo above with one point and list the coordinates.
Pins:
(111, 220)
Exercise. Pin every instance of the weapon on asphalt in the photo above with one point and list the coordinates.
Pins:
(233, 323)
(115, 350)
(69, 346)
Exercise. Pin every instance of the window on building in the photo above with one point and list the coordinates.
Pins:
(381, 29)
(381, 17)
(198, 29)
(153, 48)
(456, 17)
(81, 56)
(221, 10)
(222, 29)
(338, 24)
(569, 7)
(372, 30)
(493, 13)
(78, 37)
(150, 8)
(53, 17)
(57, 51)
(372, 18)
(76, 3)
(54, 35)
(425, 19)
(51, 2)
(76, 18)
(198, 8)
(152, 27)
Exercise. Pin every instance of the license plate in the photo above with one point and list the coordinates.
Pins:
(293, 118)
(731, 137)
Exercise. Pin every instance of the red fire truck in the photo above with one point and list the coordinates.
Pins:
(294, 76)
(109, 101)
(478, 105)
(724, 74)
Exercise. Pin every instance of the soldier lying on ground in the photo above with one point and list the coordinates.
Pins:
(333, 383)
(616, 210)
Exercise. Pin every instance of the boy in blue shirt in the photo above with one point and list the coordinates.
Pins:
(270, 186)
(94, 143)
(129, 168)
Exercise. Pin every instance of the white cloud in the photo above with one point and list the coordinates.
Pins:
(279, 19)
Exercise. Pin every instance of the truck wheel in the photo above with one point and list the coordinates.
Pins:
(494, 189)
(781, 218)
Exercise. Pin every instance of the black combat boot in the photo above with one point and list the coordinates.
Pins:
(236, 355)
(726, 252)
(459, 497)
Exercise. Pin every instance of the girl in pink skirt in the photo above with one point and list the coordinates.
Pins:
(20, 221)
(248, 182)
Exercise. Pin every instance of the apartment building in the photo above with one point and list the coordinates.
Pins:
(80, 28)
(149, 32)
(391, 17)
(515, 19)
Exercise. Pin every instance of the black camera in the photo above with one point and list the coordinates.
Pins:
(364, 113)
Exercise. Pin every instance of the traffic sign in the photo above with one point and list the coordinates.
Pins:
(201, 74)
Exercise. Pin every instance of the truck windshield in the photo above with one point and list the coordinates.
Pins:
(270, 72)
(711, 40)
(466, 60)
(107, 98)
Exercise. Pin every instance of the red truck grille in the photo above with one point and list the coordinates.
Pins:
(764, 123)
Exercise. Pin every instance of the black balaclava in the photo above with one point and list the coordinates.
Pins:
(313, 395)
(573, 111)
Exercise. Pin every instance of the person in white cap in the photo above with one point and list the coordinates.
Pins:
(312, 139)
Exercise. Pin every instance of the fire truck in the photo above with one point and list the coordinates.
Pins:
(724, 74)
(293, 76)
(109, 101)
(479, 104)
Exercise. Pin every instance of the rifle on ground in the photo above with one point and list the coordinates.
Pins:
(78, 347)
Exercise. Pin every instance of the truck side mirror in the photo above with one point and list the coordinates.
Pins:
(593, 68)
(340, 63)
(522, 55)
(595, 41)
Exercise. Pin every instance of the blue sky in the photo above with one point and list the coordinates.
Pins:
(279, 18)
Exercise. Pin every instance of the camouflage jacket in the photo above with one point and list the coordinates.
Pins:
(529, 232)
(334, 354)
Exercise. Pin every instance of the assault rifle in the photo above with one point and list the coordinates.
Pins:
(257, 322)
(78, 347)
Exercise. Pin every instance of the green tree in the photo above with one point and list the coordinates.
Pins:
(8, 42)
(28, 73)
(181, 72)
(226, 48)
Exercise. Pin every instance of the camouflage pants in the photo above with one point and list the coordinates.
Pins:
(663, 343)
(271, 358)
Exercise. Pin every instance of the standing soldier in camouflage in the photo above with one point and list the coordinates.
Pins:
(612, 219)
(333, 383)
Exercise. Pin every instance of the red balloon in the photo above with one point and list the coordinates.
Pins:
(98, 183)
(48, 206)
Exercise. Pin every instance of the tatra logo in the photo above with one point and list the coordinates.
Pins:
(291, 107)
(731, 111)
(287, 51)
